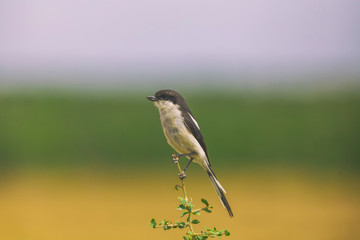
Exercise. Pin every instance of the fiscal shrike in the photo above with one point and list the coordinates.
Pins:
(183, 135)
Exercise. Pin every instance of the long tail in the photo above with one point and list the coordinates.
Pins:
(219, 190)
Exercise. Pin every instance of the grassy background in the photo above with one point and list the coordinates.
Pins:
(123, 129)
(95, 165)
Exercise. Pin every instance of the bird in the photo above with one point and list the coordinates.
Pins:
(182, 133)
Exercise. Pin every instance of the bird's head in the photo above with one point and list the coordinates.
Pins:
(167, 98)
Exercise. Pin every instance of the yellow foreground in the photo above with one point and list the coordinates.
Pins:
(84, 206)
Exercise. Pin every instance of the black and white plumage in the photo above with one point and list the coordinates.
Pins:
(183, 134)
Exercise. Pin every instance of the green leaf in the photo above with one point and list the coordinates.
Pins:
(181, 225)
(182, 200)
(152, 223)
(196, 213)
(167, 227)
(201, 237)
(205, 202)
(195, 221)
(190, 207)
(176, 188)
(207, 210)
(181, 207)
(215, 232)
(186, 238)
(227, 233)
(183, 214)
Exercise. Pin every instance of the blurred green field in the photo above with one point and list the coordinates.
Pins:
(95, 165)
(62, 129)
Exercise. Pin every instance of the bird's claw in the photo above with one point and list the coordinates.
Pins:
(175, 158)
(182, 175)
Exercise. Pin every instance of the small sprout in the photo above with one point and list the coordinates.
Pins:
(187, 208)
(205, 202)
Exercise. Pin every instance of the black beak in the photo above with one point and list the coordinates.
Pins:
(151, 98)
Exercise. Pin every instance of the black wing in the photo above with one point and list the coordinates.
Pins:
(194, 129)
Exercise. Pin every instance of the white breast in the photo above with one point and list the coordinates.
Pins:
(176, 133)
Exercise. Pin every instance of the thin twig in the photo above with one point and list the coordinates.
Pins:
(199, 209)
(170, 225)
(182, 182)
(185, 195)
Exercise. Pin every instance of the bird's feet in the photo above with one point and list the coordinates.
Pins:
(182, 175)
(175, 158)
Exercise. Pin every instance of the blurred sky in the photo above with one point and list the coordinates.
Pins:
(60, 37)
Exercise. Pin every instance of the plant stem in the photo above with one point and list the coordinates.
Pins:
(185, 196)
(170, 225)
(182, 182)
(199, 209)
(190, 225)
